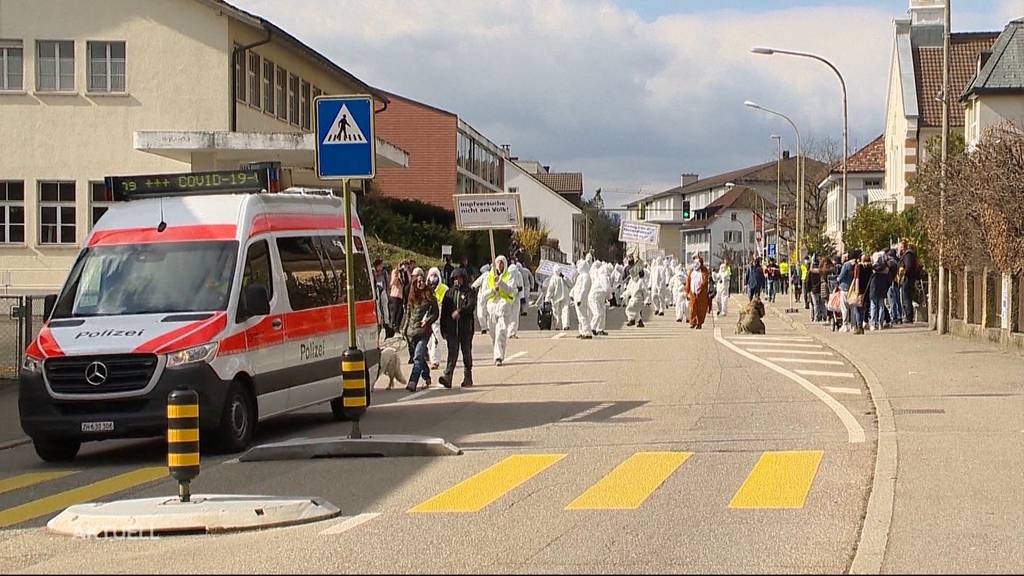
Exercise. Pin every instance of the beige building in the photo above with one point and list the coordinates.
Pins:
(913, 110)
(995, 95)
(90, 89)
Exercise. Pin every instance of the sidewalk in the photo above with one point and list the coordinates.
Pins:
(957, 407)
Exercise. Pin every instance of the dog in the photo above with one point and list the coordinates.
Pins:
(750, 317)
(390, 365)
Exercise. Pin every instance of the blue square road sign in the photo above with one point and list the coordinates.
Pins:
(344, 137)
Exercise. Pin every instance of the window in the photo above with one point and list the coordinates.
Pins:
(531, 223)
(268, 86)
(309, 282)
(11, 70)
(304, 101)
(733, 237)
(99, 201)
(254, 80)
(513, 189)
(55, 64)
(281, 93)
(641, 212)
(257, 270)
(293, 99)
(872, 183)
(56, 212)
(239, 73)
(12, 211)
(106, 66)
(334, 250)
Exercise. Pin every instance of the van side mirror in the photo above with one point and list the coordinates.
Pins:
(49, 302)
(257, 300)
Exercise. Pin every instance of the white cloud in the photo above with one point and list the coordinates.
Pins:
(593, 87)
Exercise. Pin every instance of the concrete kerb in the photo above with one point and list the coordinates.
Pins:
(874, 536)
(215, 513)
(379, 445)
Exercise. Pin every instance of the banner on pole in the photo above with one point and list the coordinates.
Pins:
(639, 232)
(488, 212)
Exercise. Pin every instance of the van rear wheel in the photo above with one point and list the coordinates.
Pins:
(237, 424)
(52, 449)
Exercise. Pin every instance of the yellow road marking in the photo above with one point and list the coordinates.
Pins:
(25, 480)
(778, 480)
(57, 502)
(631, 482)
(479, 490)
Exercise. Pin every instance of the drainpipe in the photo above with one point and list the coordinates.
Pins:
(234, 88)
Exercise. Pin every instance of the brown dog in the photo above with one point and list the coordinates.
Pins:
(750, 317)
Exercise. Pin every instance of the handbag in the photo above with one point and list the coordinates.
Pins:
(853, 295)
(834, 301)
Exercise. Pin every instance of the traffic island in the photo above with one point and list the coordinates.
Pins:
(202, 514)
(376, 445)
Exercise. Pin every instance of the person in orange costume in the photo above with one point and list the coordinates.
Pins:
(697, 291)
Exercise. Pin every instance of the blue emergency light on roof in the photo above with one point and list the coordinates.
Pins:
(250, 180)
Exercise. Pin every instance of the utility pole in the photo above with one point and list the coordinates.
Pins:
(941, 312)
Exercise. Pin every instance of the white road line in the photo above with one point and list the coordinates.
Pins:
(588, 412)
(778, 351)
(838, 390)
(516, 355)
(350, 523)
(854, 431)
(780, 344)
(773, 338)
(822, 373)
(558, 336)
(807, 361)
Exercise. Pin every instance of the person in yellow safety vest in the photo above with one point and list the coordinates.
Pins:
(784, 275)
(499, 291)
(803, 283)
(436, 341)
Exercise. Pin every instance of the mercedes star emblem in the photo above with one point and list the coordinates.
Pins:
(96, 373)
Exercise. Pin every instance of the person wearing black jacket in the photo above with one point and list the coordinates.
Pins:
(458, 309)
(908, 262)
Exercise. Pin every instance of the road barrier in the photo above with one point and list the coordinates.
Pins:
(183, 439)
(354, 384)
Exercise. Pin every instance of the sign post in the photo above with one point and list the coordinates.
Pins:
(345, 149)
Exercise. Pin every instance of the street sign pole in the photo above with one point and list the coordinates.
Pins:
(349, 275)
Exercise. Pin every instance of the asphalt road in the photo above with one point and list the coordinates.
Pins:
(662, 449)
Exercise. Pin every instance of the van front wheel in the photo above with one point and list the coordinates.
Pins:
(237, 422)
(56, 449)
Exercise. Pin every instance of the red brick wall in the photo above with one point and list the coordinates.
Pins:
(429, 137)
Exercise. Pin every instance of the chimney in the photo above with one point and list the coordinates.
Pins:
(687, 178)
(506, 150)
(785, 154)
(546, 168)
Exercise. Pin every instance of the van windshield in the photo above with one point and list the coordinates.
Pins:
(155, 278)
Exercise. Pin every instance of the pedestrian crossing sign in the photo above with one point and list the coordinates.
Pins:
(344, 142)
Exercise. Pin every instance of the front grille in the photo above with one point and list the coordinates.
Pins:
(125, 373)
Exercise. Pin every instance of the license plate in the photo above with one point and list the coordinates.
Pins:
(97, 426)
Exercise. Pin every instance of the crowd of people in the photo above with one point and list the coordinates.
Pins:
(442, 308)
(854, 292)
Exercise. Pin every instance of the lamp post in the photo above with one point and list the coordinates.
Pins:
(799, 172)
(846, 138)
(778, 193)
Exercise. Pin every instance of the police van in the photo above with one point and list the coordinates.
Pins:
(215, 281)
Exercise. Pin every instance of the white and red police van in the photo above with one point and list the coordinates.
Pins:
(203, 280)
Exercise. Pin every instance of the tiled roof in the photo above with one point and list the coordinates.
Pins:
(964, 48)
(870, 158)
(562, 182)
(1004, 70)
(766, 172)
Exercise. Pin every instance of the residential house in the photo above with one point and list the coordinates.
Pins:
(725, 228)
(913, 106)
(995, 94)
(544, 207)
(449, 156)
(568, 184)
(91, 89)
(865, 184)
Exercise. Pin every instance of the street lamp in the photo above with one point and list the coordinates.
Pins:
(778, 192)
(846, 139)
(799, 171)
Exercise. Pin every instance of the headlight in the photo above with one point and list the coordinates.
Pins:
(30, 364)
(194, 355)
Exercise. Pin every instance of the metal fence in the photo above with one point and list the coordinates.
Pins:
(20, 320)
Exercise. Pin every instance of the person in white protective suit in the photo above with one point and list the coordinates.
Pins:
(722, 278)
(437, 342)
(579, 295)
(558, 295)
(635, 295)
(668, 266)
(481, 300)
(678, 289)
(656, 279)
(597, 301)
(528, 280)
(517, 303)
(499, 293)
(618, 284)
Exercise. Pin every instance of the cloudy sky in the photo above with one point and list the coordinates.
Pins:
(631, 93)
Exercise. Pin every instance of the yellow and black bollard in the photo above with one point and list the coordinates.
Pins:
(353, 394)
(183, 438)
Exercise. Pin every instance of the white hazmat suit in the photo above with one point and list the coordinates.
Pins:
(657, 281)
(678, 289)
(436, 342)
(580, 294)
(597, 301)
(517, 304)
(499, 291)
(722, 279)
(558, 295)
(481, 299)
(635, 295)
